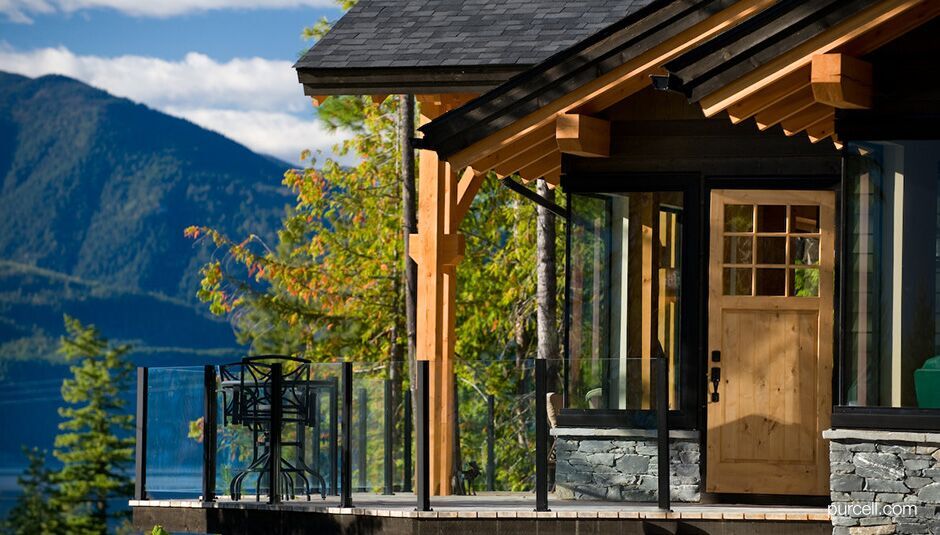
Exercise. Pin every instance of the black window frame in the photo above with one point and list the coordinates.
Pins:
(688, 415)
(854, 416)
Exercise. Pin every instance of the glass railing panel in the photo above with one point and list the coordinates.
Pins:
(175, 399)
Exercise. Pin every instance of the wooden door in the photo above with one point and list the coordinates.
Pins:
(770, 310)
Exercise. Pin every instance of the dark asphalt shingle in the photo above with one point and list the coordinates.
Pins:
(430, 33)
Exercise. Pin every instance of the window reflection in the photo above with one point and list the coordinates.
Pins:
(624, 300)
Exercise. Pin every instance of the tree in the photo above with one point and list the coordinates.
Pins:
(95, 445)
(33, 514)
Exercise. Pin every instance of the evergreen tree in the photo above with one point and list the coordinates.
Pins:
(95, 446)
(33, 514)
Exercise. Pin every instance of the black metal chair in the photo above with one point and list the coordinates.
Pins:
(247, 402)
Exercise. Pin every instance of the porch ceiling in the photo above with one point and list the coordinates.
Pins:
(788, 63)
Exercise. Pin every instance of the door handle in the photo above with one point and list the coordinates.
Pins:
(715, 379)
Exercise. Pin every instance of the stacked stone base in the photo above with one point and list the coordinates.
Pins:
(622, 465)
(884, 482)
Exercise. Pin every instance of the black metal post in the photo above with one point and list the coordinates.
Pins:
(317, 436)
(363, 439)
(274, 453)
(389, 438)
(422, 478)
(407, 471)
(491, 443)
(541, 436)
(346, 469)
(334, 438)
(662, 430)
(209, 445)
(140, 425)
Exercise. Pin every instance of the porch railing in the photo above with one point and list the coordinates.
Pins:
(318, 435)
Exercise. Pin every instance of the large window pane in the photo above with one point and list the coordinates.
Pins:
(624, 300)
(892, 273)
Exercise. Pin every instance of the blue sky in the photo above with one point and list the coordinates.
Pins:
(214, 62)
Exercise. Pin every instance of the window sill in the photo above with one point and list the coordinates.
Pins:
(886, 418)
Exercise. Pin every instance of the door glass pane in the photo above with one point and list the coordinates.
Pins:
(771, 250)
(771, 218)
(737, 281)
(804, 282)
(805, 219)
(739, 218)
(738, 249)
(804, 251)
(770, 281)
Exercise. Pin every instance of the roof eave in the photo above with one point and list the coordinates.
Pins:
(405, 80)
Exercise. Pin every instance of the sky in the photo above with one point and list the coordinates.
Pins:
(222, 64)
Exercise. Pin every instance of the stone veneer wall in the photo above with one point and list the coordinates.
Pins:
(622, 465)
(872, 470)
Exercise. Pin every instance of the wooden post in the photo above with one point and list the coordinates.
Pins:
(437, 249)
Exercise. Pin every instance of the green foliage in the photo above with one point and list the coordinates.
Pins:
(33, 514)
(158, 530)
(95, 445)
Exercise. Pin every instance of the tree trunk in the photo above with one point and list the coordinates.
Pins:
(406, 128)
(547, 289)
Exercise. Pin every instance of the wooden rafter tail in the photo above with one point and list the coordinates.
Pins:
(822, 130)
(867, 22)
(319, 99)
(583, 135)
(786, 108)
(541, 167)
(511, 150)
(378, 99)
(806, 118)
(553, 177)
(755, 104)
(842, 81)
(525, 158)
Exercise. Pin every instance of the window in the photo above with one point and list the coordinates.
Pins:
(892, 325)
(624, 306)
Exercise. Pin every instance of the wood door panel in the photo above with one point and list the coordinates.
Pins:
(765, 432)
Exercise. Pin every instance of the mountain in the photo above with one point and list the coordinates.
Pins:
(95, 192)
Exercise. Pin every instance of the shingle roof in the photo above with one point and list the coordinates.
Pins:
(441, 33)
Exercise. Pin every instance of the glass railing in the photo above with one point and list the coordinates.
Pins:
(283, 420)
(174, 432)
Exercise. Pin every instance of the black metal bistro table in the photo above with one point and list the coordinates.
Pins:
(277, 399)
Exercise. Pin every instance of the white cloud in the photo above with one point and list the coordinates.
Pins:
(21, 11)
(279, 134)
(241, 82)
(256, 102)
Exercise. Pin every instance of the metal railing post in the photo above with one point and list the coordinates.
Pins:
(662, 431)
(346, 468)
(422, 478)
(491, 443)
(274, 446)
(363, 439)
(541, 436)
(334, 437)
(209, 422)
(389, 464)
(408, 470)
(140, 427)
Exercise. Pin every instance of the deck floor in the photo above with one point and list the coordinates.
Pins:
(509, 505)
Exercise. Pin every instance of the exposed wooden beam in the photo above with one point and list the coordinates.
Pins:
(378, 99)
(855, 27)
(806, 118)
(318, 100)
(841, 81)
(759, 102)
(583, 135)
(786, 108)
(553, 177)
(435, 105)
(517, 147)
(633, 74)
(545, 165)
